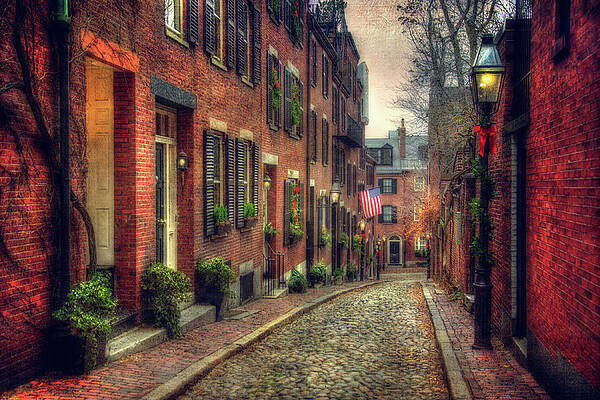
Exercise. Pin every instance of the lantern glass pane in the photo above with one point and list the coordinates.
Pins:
(488, 56)
(488, 86)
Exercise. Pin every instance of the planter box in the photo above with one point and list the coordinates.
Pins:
(250, 222)
(206, 294)
(222, 228)
(75, 355)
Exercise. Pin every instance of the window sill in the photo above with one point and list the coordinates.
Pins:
(274, 128)
(218, 63)
(246, 80)
(274, 19)
(178, 37)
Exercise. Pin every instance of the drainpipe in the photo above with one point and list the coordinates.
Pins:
(62, 24)
(308, 119)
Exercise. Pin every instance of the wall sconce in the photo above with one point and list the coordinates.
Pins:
(335, 192)
(267, 182)
(182, 161)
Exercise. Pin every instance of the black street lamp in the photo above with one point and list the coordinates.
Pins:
(378, 244)
(361, 225)
(487, 76)
(427, 246)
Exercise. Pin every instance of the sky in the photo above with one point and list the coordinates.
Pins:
(381, 44)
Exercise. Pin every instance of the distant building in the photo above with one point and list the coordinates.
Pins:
(363, 76)
(401, 169)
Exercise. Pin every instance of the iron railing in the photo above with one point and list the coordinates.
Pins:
(521, 74)
(273, 271)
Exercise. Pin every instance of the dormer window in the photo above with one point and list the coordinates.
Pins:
(382, 156)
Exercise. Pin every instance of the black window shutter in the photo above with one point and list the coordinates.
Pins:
(380, 184)
(241, 173)
(314, 62)
(394, 214)
(279, 80)
(354, 180)
(210, 143)
(287, 198)
(193, 23)
(349, 174)
(287, 101)
(287, 15)
(256, 47)
(230, 33)
(279, 12)
(334, 162)
(380, 216)
(230, 177)
(242, 43)
(320, 207)
(300, 129)
(209, 27)
(255, 174)
(323, 142)
(323, 76)
(328, 214)
(327, 143)
(301, 205)
(394, 186)
(270, 77)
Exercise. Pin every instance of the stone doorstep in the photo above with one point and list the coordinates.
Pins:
(142, 338)
(277, 293)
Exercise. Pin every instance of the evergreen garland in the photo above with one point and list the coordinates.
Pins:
(478, 214)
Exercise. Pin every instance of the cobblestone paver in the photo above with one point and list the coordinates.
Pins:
(492, 374)
(374, 343)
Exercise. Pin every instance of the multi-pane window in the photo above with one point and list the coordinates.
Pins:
(387, 214)
(416, 212)
(173, 15)
(343, 113)
(313, 136)
(313, 49)
(386, 156)
(218, 13)
(370, 176)
(274, 92)
(293, 102)
(386, 185)
(421, 244)
(247, 182)
(419, 183)
(219, 172)
(325, 82)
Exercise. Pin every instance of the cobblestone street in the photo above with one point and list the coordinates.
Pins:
(373, 343)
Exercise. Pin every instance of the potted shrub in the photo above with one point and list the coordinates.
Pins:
(222, 223)
(297, 282)
(213, 279)
(164, 288)
(87, 312)
(317, 274)
(270, 231)
(338, 276)
(344, 240)
(325, 238)
(351, 272)
(250, 215)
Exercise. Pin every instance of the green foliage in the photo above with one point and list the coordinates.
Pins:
(88, 309)
(318, 273)
(325, 237)
(477, 166)
(476, 210)
(269, 229)
(249, 210)
(421, 253)
(338, 274)
(457, 295)
(221, 214)
(215, 274)
(357, 244)
(276, 88)
(296, 214)
(351, 272)
(344, 240)
(297, 282)
(165, 288)
(296, 106)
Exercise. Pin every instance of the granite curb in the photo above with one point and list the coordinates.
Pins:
(179, 382)
(459, 389)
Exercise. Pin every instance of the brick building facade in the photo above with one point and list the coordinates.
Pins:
(149, 82)
(545, 294)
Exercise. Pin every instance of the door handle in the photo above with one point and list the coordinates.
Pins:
(161, 221)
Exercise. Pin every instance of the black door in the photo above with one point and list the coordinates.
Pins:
(394, 252)
(310, 228)
(335, 258)
(160, 203)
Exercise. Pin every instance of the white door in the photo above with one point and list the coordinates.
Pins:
(100, 151)
(166, 186)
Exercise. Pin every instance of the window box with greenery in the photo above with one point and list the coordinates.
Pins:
(222, 223)
(317, 274)
(164, 288)
(212, 282)
(421, 253)
(270, 232)
(344, 240)
(250, 215)
(325, 239)
(357, 244)
(87, 311)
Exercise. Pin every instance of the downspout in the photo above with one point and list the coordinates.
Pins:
(62, 24)
(308, 121)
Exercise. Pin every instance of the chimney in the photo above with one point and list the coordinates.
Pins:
(402, 139)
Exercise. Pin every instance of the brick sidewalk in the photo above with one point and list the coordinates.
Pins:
(135, 376)
(491, 374)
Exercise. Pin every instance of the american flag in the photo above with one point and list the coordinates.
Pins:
(370, 201)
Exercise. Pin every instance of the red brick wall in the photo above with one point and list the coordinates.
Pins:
(563, 202)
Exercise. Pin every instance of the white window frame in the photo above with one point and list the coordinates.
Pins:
(420, 244)
(383, 185)
(174, 9)
(419, 182)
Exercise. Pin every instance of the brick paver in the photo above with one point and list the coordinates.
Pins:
(134, 376)
(491, 374)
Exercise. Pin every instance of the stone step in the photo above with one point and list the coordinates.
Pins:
(123, 321)
(142, 338)
(277, 293)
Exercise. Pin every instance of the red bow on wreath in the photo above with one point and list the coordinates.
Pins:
(484, 133)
